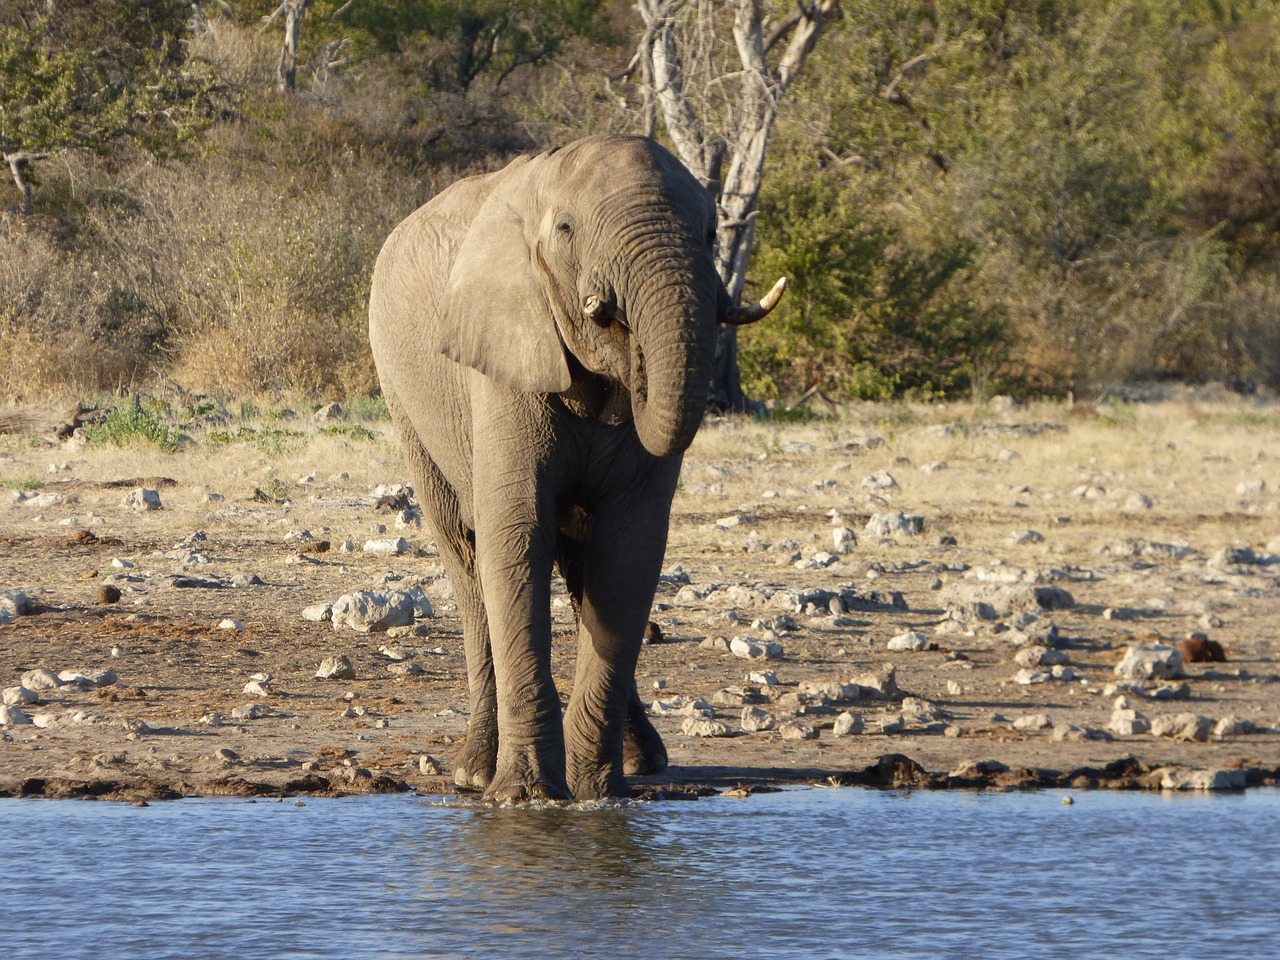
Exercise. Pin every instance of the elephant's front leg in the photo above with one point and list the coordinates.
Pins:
(515, 537)
(620, 571)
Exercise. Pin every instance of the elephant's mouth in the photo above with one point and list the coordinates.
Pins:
(639, 377)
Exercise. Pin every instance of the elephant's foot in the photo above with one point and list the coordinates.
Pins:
(597, 783)
(643, 752)
(522, 778)
(474, 767)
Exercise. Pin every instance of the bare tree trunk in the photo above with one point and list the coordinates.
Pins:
(287, 71)
(717, 133)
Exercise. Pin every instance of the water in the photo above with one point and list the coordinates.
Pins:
(803, 873)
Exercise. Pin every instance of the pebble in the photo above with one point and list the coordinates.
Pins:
(250, 711)
(318, 612)
(230, 624)
(1128, 723)
(336, 668)
(1032, 721)
(429, 766)
(14, 602)
(1037, 656)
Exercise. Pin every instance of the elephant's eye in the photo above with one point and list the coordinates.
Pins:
(564, 227)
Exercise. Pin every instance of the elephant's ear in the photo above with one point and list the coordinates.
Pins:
(496, 317)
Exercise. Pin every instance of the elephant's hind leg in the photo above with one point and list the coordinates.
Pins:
(474, 766)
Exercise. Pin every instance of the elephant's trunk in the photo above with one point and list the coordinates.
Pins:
(672, 348)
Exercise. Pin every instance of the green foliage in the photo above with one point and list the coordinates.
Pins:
(26, 484)
(87, 74)
(366, 407)
(132, 426)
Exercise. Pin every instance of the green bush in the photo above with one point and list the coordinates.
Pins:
(132, 426)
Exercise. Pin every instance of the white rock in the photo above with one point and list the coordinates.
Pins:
(844, 540)
(318, 612)
(120, 563)
(1183, 726)
(766, 678)
(750, 649)
(894, 524)
(702, 727)
(336, 668)
(911, 640)
(795, 730)
(1230, 726)
(1128, 723)
(1020, 537)
(1155, 661)
(12, 715)
(1032, 721)
(41, 679)
(141, 498)
(1178, 779)
(1037, 656)
(19, 696)
(230, 624)
(392, 545)
(848, 723)
(256, 688)
(755, 719)
(371, 611)
(250, 711)
(14, 602)
(881, 480)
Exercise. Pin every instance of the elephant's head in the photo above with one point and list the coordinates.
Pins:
(596, 257)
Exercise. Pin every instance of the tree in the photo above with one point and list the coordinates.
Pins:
(719, 108)
(86, 75)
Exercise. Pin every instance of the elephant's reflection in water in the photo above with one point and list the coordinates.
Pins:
(560, 870)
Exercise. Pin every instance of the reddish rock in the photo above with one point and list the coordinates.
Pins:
(108, 593)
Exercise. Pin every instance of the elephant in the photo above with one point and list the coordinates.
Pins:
(544, 337)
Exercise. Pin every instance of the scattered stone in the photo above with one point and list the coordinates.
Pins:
(1128, 723)
(1175, 778)
(703, 727)
(11, 715)
(1183, 726)
(1037, 656)
(19, 696)
(1021, 537)
(257, 688)
(15, 602)
(230, 624)
(848, 724)
(141, 498)
(330, 411)
(1032, 721)
(336, 668)
(879, 481)
(765, 678)
(250, 711)
(911, 640)
(888, 525)
(750, 649)
(108, 593)
(1231, 726)
(1073, 733)
(795, 730)
(318, 612)
(41, 679)
(881, 684)
(756, 719)
(429, 766)
(391, 545)
(1030, 677)
(1156, 661)
(374, 612)
(718, 644)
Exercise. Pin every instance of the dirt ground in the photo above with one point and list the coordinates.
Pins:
(1111, 525)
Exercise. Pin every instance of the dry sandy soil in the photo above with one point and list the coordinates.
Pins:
(1129, 510)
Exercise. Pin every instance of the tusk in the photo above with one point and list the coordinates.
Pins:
(593, 308)
(738, 316)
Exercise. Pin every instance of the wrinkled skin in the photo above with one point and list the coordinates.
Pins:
(544, 339)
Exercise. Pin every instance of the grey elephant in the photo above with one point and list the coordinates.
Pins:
(544, 337)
